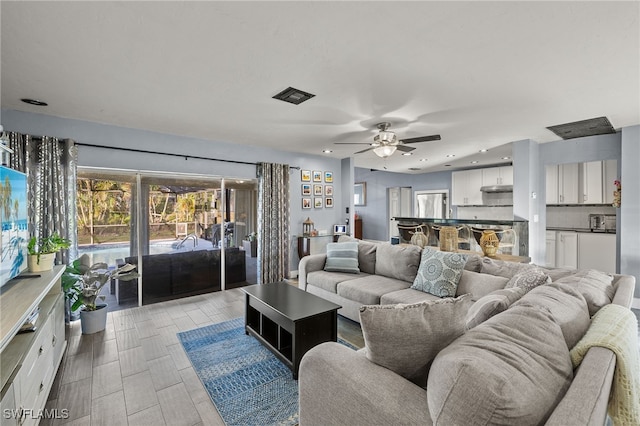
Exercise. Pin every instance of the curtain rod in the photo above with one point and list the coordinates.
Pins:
(185, 156)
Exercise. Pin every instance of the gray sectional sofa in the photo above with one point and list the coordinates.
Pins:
(475, 378)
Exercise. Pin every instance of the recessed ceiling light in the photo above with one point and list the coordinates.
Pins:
(474, 162)
(450, 155)
(505, 158)
(327, 151)
(447, 165)
(407, 153)
(423, 159)
(483, 150)
(34, 102)
(413, 169)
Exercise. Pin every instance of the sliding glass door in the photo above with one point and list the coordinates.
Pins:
(194, 234)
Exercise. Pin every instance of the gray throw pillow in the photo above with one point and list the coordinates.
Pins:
(492, 304)
(479, 285)
(529, 279)
(397, 261)
(594, 285)
(474, 263)
(439, 272)
(406, 338)
(503, 268)
(511, 370)
(567, 306)
(342, 257)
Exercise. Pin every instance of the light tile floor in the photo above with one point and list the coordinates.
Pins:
(137, 373)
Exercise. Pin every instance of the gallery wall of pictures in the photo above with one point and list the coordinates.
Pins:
(317, 189)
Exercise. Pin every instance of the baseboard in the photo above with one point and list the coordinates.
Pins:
(635, 304)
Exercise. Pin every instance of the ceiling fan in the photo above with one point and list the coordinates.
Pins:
(386, 142)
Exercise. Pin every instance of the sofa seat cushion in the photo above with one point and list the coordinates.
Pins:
(367, 290)
(408, 295)
(513, 369)
(439, 272)
(398, 261)
(406, 338)
(566, 304)
(595, 286)
(479, 285)
(329, 280)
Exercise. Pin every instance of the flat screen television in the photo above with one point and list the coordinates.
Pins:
(15, 229)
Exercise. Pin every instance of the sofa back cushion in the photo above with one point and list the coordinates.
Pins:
(398, 261)
(503, 268)
(474, 263)
(567, 306)
(406, 338)
(439, 272)
(511, 370)
(595, 286)
(342, 257)
(479, 285)
(366, 253)
(492, 304)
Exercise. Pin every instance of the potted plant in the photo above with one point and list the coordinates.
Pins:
(82, 285)
(42, 253)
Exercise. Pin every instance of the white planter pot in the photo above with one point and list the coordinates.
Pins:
(45, 263)
(94, 321)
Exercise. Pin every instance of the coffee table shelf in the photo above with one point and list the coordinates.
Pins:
(289, 321)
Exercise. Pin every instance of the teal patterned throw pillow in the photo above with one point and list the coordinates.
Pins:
(439, 272)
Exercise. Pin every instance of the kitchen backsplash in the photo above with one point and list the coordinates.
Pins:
(493, 213)
(574, 217)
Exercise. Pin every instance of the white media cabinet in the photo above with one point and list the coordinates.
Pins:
(29, 361)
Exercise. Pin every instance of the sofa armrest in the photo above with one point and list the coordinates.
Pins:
(340, 386)
(585, 402)
(314, 262)
(625, 286)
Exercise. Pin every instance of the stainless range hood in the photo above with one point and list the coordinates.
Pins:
(497, 188)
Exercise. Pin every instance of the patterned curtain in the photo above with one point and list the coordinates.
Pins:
(273, 222)
(51, 167)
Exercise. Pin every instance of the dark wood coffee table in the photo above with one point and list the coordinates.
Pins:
(289, 321)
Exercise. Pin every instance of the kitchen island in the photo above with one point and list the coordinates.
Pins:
(514, 234)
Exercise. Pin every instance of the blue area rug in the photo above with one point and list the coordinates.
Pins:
(246, 382)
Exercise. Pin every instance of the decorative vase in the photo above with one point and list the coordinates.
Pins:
(94, 321)
(419, 238)
(489, 243)
(448, 238)
(45, 263)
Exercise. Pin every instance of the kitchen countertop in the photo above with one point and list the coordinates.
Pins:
(458, 221)
(587, 230)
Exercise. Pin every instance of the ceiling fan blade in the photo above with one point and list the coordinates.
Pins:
(404, 148)
(365, 150)
(352, 143)
(421, 139)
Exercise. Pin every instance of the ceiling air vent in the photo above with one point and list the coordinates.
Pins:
(579, 129)
(293, 96)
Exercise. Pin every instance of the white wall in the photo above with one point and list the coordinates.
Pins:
(629, 211)
(114, 136)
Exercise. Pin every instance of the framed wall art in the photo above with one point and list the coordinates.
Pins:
(317, 190)
(328, 190)
(328, 177)
(317, 202)
(317, 176)
(306, 203)
(360, 194)
(328, 202)
(306, 189)
(305, 175)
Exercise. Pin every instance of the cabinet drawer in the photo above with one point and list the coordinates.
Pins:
(36, 366)
(57, 341)
(39, 349)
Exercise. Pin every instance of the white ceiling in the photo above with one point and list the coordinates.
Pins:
(480, 74)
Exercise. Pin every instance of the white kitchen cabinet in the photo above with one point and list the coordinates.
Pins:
(562, 183)
(610, 174)
(567, 249)
(550, 249)
(597, 251)
(465, 188)
(591, 182)
(497, 176)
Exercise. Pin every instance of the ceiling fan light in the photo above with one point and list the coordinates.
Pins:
(385, 137)
(384, 151)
